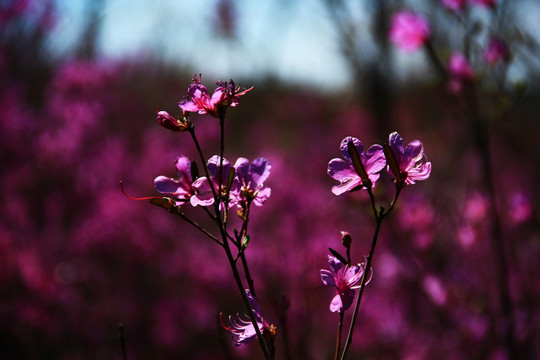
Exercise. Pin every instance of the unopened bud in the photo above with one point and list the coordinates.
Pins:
(170, 122)
(346, 239)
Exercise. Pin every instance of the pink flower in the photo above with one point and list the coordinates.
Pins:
(459, 67)
(249, 185)
(496, 51)
(410, 163)
(455, 5)
(345, 279)
(199, 100)
(409, 31)
(373, 162)
(460, 72)
(204, 195)
(181, 188)
(241, 327)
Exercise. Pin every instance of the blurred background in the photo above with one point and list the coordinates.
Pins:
(456, 272)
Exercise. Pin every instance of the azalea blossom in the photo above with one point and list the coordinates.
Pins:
(345, 279)
(409, 30)
(460, 72)
(181, 188)
(373, 162)
(204, 195)
(241, 327)
(410, 164)
(249, 185)
(496, 51)
(199, 100)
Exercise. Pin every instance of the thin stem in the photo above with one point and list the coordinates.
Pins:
(367, 269)
(200, 228)
(122, 338)
(203, 160)
(338, 340)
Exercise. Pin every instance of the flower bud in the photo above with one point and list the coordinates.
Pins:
(170, 122)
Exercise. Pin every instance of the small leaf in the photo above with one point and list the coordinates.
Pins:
(245, 242)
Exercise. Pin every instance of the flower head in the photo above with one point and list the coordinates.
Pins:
(204, 195)
(408, 164)
(496, 51)
(199, 100)
(409, 31)
(249, 185)
(372, 162)
(241, 327)
(345, 279)
(181, 189)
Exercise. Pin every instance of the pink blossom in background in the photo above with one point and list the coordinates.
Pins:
(485, 3)
(455, 5)
(460, 72)
(409, 30)
(496, 51)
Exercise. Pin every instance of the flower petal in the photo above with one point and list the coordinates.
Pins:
(357, 143)
(259, 170)
(327, 277)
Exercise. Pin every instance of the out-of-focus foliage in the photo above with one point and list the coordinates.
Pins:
(77, 258)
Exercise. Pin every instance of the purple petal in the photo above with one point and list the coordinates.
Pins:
(341, 170)
(204, 196)
(262, 195)
(213, 168)
(183, 167)
(419, 173)
(242, 169)
(328, 278)
(374, 161)
(347, 299)
(259, 171)
(357, 143)
(412, 153)
(336, 305)
(167, 185)
(335, 264)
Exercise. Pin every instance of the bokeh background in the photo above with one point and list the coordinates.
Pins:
(79, 86)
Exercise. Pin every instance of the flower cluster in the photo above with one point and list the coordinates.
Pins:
(246, 187)
(199, 100)
(408, 164)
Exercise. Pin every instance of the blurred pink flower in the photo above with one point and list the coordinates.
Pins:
(485, 3)
(496, 51)
(345, 279)
(455, 5)
(199, 100)
(409, 31)
(460, 72)
(412, 164)
(343, 171)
